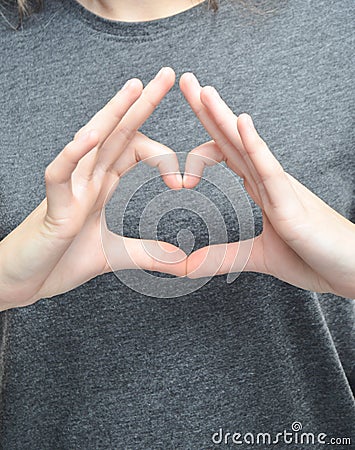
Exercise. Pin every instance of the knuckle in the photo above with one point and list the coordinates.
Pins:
(120, 103)
(126, 132)
(87, 178)
(115, 108)
(152, 264)
(197, 152)
(66, 148)
(200, 158)
(220, 122)
(224, 145)
(49, 174)
(255, 145)
(198, 111)
(79, 133)
(67, 151)
(150, 101)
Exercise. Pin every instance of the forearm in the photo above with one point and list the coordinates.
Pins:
(343, 284)
(335, 259)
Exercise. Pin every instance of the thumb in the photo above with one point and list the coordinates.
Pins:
(129, 253)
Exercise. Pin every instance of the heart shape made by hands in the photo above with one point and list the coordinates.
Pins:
(127, 253)
(80, 179)
(286, 247)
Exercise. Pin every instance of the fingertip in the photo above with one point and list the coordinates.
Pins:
(186, 76)
(168, 70)
(170, 73)
(188, 79)
(246, 120)
(136, 83)
(183, 81)
(190, 181)
(166, 73)
(178, 181)
(133, 85)
(173, 181)
(208, 92)
(195, 264)
(171, 259)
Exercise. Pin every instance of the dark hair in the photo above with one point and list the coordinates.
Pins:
(25, 8)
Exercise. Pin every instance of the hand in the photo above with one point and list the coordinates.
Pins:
(304, 241)
(58, 246)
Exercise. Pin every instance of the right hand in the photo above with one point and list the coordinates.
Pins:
(58, 246)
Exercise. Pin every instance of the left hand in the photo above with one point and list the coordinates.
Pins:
(304, 241)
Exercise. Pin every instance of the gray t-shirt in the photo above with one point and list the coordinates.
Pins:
(104, 366)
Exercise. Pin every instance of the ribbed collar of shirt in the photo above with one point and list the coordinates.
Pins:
(137, 30)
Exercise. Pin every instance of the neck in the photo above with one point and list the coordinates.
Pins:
(137, 10)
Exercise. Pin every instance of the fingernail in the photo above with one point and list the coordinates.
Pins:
(161, 72)
(192, 78)
(127, 84)
(189, 76)
(249, 120)
(188, 180)
(213, 91)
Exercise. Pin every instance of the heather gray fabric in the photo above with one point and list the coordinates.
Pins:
(105, 367)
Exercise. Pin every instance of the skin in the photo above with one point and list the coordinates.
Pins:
(137, 10)
(58, 246)
(294, 246)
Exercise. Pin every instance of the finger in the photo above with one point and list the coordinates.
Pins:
(144, 149)
(112, 121)
(272, 177)
(226, 121)
(191, 89)
(138, 113)
(220, 259)
(128, 253)
(224, 258)
(105, 121)
(85, 169)
(207, 154)
(59, 172)
(156, 256)
(153, 153)
(107, 118)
